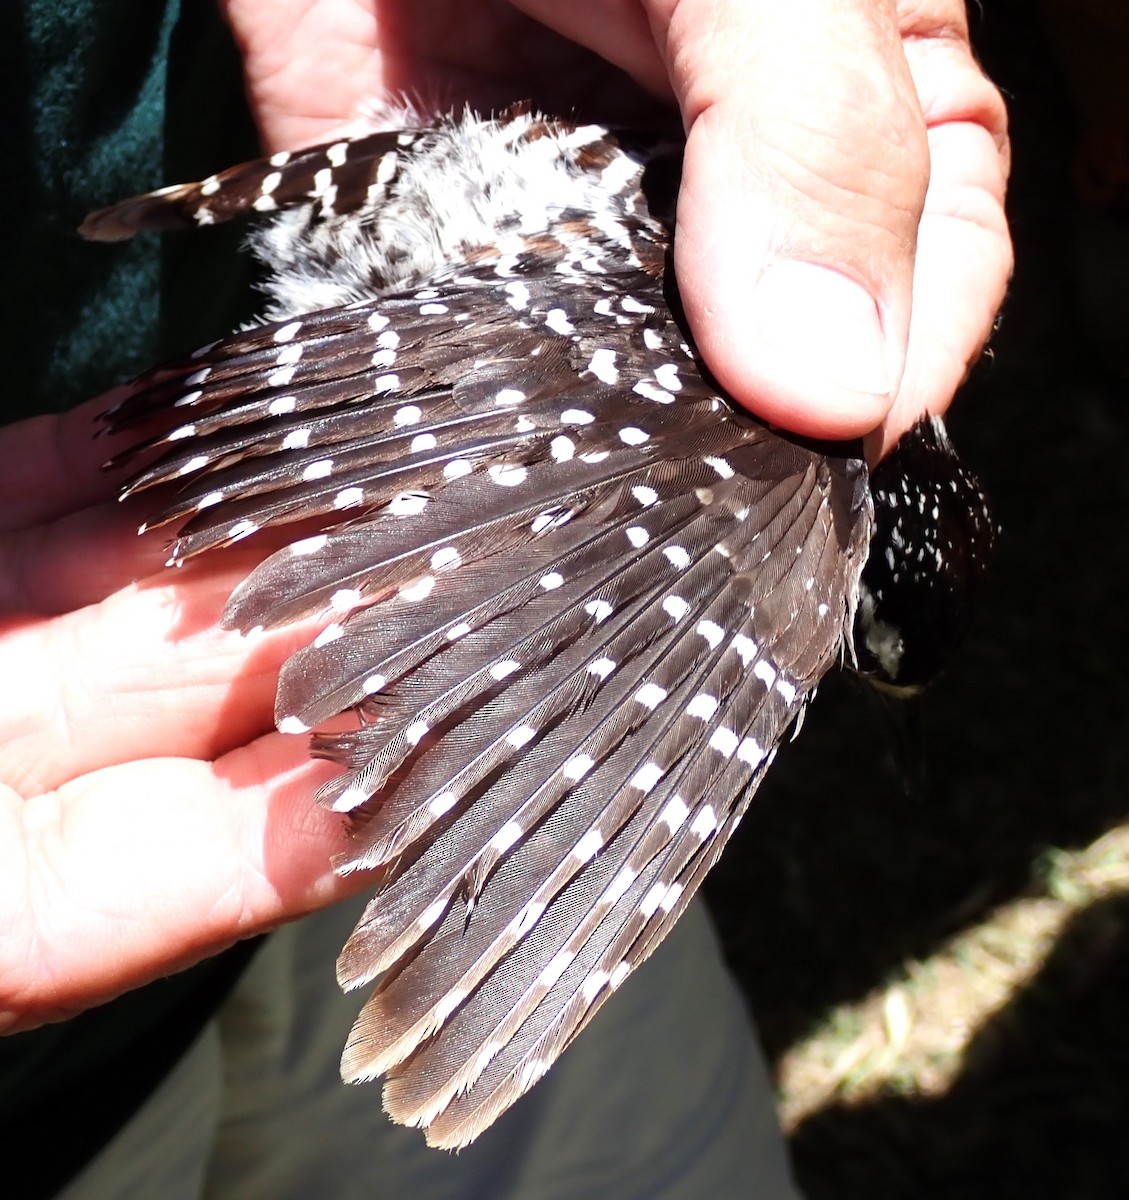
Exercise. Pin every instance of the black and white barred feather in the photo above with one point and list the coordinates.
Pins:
(576, 597)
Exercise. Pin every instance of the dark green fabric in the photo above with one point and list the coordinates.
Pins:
(101, 99)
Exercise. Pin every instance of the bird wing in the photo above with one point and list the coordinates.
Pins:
(577, 599)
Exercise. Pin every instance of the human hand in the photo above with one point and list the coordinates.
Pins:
(842, 248)
(149, 815)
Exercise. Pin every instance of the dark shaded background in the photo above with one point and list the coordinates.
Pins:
(836, 877)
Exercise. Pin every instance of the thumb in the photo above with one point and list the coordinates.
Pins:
(806, 171)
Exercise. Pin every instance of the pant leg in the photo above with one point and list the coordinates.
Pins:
(663, 1097)
(164, 1150)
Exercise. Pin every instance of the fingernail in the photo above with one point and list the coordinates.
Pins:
(817, 321)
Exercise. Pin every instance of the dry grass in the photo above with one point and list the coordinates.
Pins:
(912, 1036)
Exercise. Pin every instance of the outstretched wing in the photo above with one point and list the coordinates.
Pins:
(578, 600)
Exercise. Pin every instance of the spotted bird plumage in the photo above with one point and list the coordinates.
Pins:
(575, 596)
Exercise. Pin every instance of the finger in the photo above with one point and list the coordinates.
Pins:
(805, 176)
(619, 31)
(77, 559)
(52, 465)
(964, 255)
(145, 673)
(440, 56)
(130, 873)
(309, 66)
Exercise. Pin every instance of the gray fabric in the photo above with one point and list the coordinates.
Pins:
(664, 1097)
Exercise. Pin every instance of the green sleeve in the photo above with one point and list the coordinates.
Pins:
(104, 99)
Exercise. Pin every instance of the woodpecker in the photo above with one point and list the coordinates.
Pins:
(575, 596)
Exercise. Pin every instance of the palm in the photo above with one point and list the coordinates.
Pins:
(313, 65)
(137, 774)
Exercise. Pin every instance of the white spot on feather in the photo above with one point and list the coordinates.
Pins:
(517, 295)
(509, 835)
(310, 545)
(319, 469)
(281, 377)
(645, 495)
(329, 634)
(594, 985)
(668, 377)
(620, 973)
(750, 751)
(712, 632)
(598, 610)
(719, 465)
(578, 766)
(618, 887)
(194, 464)
(443, 803)
(650, 695)
(419, 590)
(576, 416)
(588, 846)
(703, 706)
(705, 822)
(646, 777)
(556, 320)
(648, 906)
(649, 392)
(548, 978)
(724, 741)
(407, 504)
(674, 813)
(765, 672)
(602, 365)
(345, 599)
(457, 468)
(746, 648)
